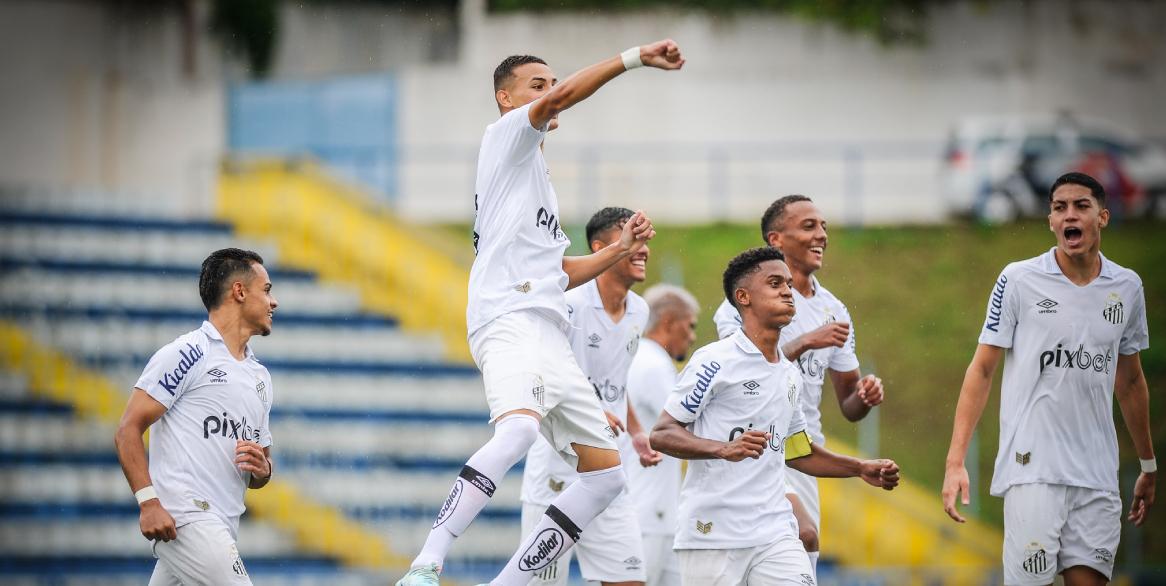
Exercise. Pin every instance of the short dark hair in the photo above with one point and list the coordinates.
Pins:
(604, 220)
(505, 69)
(773, 214)
(1075, 178)
(744, 264)
(217, 271)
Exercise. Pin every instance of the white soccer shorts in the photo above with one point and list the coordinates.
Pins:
(806, 487)
(609, 550)
(661, 566)
(527, 363)
(781, 563)
(1049, 528)
(204, 554)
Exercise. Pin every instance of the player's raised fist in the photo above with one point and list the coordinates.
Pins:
(662, 54)
(750, 444)
(881, 473)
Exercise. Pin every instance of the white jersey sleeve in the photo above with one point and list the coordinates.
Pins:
(1136, 336)
(514, 140)
(172, 368)
(727, 319)
(797, 422)
(265, 433)
(1000, 323)
(845, 359)
(694, 389)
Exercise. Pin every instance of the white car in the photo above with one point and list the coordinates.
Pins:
(999, 168)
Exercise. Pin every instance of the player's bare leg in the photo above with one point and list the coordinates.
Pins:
(1083, 576)
(807, 529)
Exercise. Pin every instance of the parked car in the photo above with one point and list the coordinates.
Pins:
(1000, 168)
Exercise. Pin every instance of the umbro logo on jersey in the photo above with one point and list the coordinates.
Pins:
(1036, 560)
(190, 356)
(704, 528)
(751, 387)
(1114, 312)
(217, 376)
(807, 580)
(1046, 306)
(1103, 555)
(593, 341)
(704, 378)
(996, 305)
(1023, 459)
(633, 563)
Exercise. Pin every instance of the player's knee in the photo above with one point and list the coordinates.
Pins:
(607, 483)
(515, 434)
(809, 537)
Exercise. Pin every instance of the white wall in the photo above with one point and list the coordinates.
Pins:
(766, 105)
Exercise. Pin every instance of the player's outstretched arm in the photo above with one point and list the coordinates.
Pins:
(673, 438)
(580, 85)
(636, 232)
(973, 397)
(823, 463)
(140, 413)
(1133, 397)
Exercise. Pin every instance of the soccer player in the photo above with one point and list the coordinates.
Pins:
(1069, 325)
(736, 413)
(670, 333)
(607, 318)
(517, 318)
(207, 399)
(820, 339)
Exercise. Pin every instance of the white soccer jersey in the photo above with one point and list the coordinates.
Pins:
(517, 236)
(727, 388)
(655, 490)
(211, 401)
(812, 313)
(1062, 344)
(604, 351)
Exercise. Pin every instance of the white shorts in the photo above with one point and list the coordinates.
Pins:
(661, 566)
(204, 553)
(806, 487)
(781, 563)
(609, 550)
(527, 363)
(1049, 528)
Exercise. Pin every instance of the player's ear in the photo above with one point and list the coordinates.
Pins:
(1103, 217)
(741, 296)
(239, 291)
(774, 239)
(597, 245)
(503, 98)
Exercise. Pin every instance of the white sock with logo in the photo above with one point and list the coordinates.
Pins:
(474, 486)
(559, 528)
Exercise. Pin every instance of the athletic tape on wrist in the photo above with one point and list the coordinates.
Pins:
(146, 494)
(1149, 466)
(631, 58)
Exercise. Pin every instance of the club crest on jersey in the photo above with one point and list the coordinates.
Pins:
(704, 528)
(539, 391)
(1113, 312)
(1035, 559)
(792, 391)
(634, 342)
(261, 390)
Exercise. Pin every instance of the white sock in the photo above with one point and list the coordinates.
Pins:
(814, 563)
(559, 528)
(476, 483)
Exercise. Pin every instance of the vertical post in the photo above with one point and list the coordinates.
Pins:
(852, 171)
(718, 184)
(868, 434)
(588, 197)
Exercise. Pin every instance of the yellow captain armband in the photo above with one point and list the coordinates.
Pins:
(797, 445)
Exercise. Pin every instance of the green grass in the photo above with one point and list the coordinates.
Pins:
(918, 299)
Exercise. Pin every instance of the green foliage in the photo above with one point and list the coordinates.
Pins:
(249, 26)
(889, 21)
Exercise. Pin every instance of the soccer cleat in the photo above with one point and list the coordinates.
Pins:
(423, 576)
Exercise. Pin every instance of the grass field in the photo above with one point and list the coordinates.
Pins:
(918, 298)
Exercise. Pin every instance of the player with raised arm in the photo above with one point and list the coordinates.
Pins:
(736, 413)
(517, 318)
(206, 399)
(820, 339)
(1069, 325)
(655, 490)
(607, 318)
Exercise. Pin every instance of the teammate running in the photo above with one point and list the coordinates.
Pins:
(607, 318)
(655, 490)
(1069, 325)
(820, 339)
(517, 318)
(207, 399)
(737, 399)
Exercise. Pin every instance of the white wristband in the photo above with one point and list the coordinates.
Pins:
(146, 494)
(1149, 466)
(631, 58)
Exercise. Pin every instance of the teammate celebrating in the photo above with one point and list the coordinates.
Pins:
(207, 399)
(607, 318)
(1069, 324)
(738, 398)
(820, 339)
(517, 317)
(655, 490)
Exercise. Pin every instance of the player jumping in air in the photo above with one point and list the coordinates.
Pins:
(517, 318)
(1069, 325)
(736, 413)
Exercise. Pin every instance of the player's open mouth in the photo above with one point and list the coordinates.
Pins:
(640, 263)
(818, 250)
(1073, 236)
